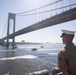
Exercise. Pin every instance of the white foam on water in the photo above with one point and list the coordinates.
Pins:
(19, 57)
(53, 53)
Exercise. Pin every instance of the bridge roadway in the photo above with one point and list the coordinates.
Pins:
(57, 19)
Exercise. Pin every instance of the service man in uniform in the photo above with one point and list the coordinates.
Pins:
(67, 55)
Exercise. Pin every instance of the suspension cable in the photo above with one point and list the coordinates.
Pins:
(39, 7)
(48, 10)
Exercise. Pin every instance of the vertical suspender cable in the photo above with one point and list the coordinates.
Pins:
(62, 6)
(40, 15)
(37, 15)
(55, 7)
(4, 29)
(50, 11)
(70, 3)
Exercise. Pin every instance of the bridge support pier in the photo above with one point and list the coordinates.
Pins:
(13, 42)
(11, 19)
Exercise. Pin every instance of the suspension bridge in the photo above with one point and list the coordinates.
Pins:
(60, 14)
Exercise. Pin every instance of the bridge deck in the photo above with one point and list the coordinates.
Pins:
(55, 20)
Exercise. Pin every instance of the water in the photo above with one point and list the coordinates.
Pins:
(23, 60)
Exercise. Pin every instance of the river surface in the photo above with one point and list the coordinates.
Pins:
(24, 60)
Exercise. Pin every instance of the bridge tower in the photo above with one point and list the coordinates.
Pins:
(11, 17)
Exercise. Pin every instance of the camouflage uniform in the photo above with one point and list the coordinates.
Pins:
(67, 59)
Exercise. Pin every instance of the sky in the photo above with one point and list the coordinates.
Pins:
(50, 34)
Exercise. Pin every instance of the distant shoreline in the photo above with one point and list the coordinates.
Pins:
(21, 43)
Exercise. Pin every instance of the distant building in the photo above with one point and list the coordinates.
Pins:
(23, 41)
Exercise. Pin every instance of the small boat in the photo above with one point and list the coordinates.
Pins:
(13, 47)
(42, 46)
(34, 49)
